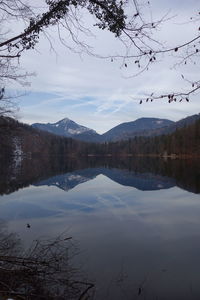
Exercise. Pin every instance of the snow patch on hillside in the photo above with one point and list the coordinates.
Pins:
(77, 131)
(17, 147)
(17, 153)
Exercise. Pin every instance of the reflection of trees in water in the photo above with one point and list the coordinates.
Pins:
(186, 173)
(44, 271)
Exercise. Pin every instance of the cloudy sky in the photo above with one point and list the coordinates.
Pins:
(98, 93)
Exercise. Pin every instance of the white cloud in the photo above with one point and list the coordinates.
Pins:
(95, 92)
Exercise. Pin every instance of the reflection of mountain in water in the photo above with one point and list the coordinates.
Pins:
(141, 181)
(68, 181)
(144, 181)
(145, 174)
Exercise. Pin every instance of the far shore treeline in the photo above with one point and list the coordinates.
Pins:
(18, 139)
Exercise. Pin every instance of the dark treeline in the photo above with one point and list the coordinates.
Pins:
(183, 142)
(17, 138)
(21, 139)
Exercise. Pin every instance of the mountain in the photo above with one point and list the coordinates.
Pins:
(140, 127)
(181, 123)
(88, 136)
(68, 128)
(146, 127)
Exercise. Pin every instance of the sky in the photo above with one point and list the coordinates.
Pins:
(98, 93)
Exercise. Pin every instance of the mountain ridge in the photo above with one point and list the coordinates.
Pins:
(145, 126)
(69, 128)
(130, 129)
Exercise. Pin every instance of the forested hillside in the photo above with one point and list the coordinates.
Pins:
(17, 139)
(183, 142)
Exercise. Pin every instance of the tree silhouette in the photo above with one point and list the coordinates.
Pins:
(125, 19)
(43, 271)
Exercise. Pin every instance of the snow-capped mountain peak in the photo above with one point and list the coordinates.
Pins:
(65, 127)
(70, 127)
(64, 121)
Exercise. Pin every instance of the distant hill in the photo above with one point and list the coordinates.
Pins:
(180, 138)
(21, 140)
(69, 128)
(181, 123)
(168, 129)
(147, 127)
(184, 141)
(140, 127)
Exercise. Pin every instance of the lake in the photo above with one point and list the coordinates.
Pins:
(135, 221)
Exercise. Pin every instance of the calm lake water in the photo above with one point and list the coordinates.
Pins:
(136, 222)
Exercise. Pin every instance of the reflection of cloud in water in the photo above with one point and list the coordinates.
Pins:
(44, 270)
(117, 224)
